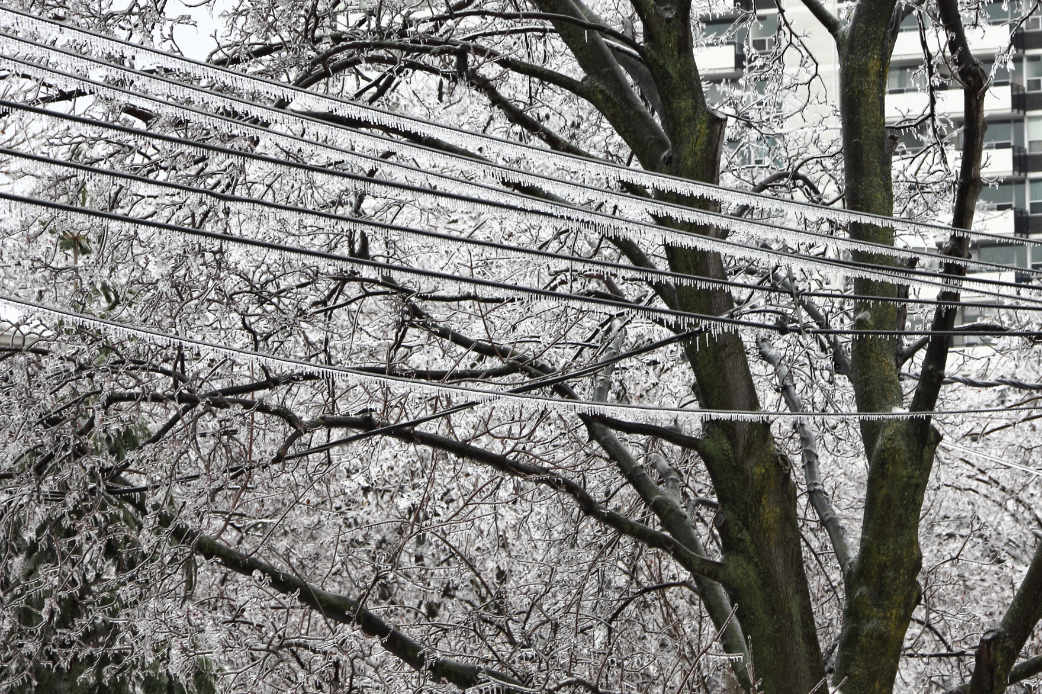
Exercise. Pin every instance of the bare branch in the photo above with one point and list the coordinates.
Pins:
(819, 498)
(340, 608)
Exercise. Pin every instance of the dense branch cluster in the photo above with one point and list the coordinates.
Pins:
(337, 401)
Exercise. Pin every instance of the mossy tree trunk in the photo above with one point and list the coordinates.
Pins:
(759, 526)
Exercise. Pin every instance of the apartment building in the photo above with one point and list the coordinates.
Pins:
(1011, 203)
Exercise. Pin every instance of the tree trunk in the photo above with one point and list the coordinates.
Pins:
(882, 588)
(758, 524)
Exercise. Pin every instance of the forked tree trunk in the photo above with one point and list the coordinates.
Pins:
(759, 528)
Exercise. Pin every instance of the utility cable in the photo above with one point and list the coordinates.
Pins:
(527, 402)
(864, 269)
(652, 275)
(274, 115)
(578, 165)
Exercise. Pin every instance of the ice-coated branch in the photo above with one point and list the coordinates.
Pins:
(687, 558)
(974, 82)
(826, 18)
(342, 609)
(840, 353)
(819, 498)
(580, 22)
(610, 92)
(999, 647)
(906, 353)
(669, 512)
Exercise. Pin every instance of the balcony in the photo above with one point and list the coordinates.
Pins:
(910, 105)
(720, 61)
(985, 40)
(1007, 222)
(1000, 163)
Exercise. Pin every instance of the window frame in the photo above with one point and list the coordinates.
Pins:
(1035, 204)
(1037, 79)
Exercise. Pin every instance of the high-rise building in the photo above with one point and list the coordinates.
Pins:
(1008, 45)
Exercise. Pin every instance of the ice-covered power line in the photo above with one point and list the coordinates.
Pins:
(580, 168)
(527, 403)
(990, 458)
(14, 208)
(267, 211)
(348, 139)
(485, 200)
(576, 218)
(375, 185)
(426, 182)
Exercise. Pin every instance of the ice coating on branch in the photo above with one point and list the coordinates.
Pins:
(575, 218)
(589, 172)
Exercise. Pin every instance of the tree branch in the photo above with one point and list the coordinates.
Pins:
(695, 563)
(974, 83)
(826, 18)
(342, 609)
(819, 498)
(998, 648)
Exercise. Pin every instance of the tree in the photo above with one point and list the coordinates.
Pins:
(483, 548)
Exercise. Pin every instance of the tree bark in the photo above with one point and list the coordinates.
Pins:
(883, 588)
(759, 529)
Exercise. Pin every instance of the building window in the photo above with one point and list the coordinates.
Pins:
(912, 140)
(998, 13)
(716, 33)
(1000, 197)
(1016, 256)
(1003, 12)
(999, 135)
(1033, 127)
(1036, 197)
(760, 152)
(764, 33)
(902, 79)
(1033, 73)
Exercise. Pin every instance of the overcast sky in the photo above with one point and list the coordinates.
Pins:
(197, 42)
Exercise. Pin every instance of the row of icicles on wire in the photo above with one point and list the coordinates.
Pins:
(523, 205)
(590, 173)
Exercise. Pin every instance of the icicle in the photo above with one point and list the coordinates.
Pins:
(630, 204)
(539, 159)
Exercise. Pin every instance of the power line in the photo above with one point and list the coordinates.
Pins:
(582, 217)
(684, 319)
(617, 269)
(272, 114)
(578, 165)
(628, 412)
